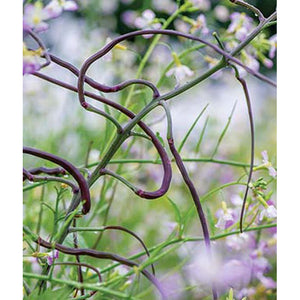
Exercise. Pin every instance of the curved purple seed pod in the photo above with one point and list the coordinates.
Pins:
(160, 149)
(35, 178)
(49, 171)
(251, 121)
(27, 175)
(102, 255)
(110, 45)
(84, 188)
(121, 228)
(101, 87)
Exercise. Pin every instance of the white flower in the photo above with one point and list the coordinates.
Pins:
(147, 21)
(267, 164)
(268, 212)
(180, 72)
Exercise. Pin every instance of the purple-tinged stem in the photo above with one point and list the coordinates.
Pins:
(250, 114)
(143, 194)
(110, 45)
(49, 171)
(121, 228)
(102, 255)
(189, 184)
(35, 178)
(160, 149)
(84, 188)
(101, 87)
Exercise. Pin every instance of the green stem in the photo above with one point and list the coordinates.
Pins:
(188, 239)
(75, 284)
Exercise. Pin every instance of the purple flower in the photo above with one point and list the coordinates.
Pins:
(51, 256)
(31, 60)
(225, 217)
(268, 63)
(240, 25)
(273, 45)
(268, 282)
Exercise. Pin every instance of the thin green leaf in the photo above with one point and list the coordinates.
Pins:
(210, 220)
(191, 128)
(108, 130)
(62, 293)
(201, 135)
(224, 131)
(176, 210)
(160, 138)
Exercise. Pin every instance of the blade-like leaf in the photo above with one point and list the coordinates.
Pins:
(201, 135)
(191, 128)
(224, 131)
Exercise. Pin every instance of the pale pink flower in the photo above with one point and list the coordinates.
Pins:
(34, 17)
